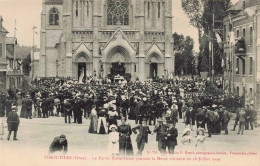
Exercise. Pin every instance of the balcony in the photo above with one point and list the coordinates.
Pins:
(240, 47)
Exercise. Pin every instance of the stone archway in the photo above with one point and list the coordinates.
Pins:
(82, 66)
(118, 61)
(154, 66)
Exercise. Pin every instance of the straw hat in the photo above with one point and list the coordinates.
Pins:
(201, 129)
(185, 131)
(112, 126)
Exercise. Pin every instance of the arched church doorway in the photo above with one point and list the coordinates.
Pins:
(117, 68)
(82, 72)
(153, 70)
(154, 66)
(119, 61)
(82, 66)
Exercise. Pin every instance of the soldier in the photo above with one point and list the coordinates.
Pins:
(172, 135)
(161, 136)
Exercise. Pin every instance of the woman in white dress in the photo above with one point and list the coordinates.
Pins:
(113, 144)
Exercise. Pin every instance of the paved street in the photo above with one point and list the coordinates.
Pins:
(35, 136)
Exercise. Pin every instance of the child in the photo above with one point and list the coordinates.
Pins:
(186, 136)
(200, 139)
(113, 144)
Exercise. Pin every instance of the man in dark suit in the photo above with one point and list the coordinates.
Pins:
(142, 137)
(28, 103)
(172, 135)
(161, 136)
(58, 144)
(13, 122)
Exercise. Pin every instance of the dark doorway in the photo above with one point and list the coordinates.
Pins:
(81, 72)
(118, 68)
(153, 70)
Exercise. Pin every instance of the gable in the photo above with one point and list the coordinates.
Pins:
(119, 37)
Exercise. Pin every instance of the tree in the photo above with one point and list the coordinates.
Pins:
(188, 55)
(194, 10)
(26, 63)
(183, 54)
(200, 13)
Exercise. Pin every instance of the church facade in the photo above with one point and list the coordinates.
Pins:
(82, 38)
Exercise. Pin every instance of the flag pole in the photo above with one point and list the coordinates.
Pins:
(212, 48)
(14, 69)
(32, 60)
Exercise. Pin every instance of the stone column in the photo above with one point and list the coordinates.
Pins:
(67, 30)
(43, 40)
(141, 24)
(168, 37)
(96, 25)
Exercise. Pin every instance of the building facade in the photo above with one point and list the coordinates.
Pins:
(242, 50)
(14, 68)
(3, 63)
(82, 38)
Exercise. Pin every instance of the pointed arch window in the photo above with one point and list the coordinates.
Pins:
(54, 17)
(118, 12)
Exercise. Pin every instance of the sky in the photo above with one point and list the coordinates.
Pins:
(27, 14)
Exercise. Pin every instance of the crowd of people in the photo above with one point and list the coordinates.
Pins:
(149, 103)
